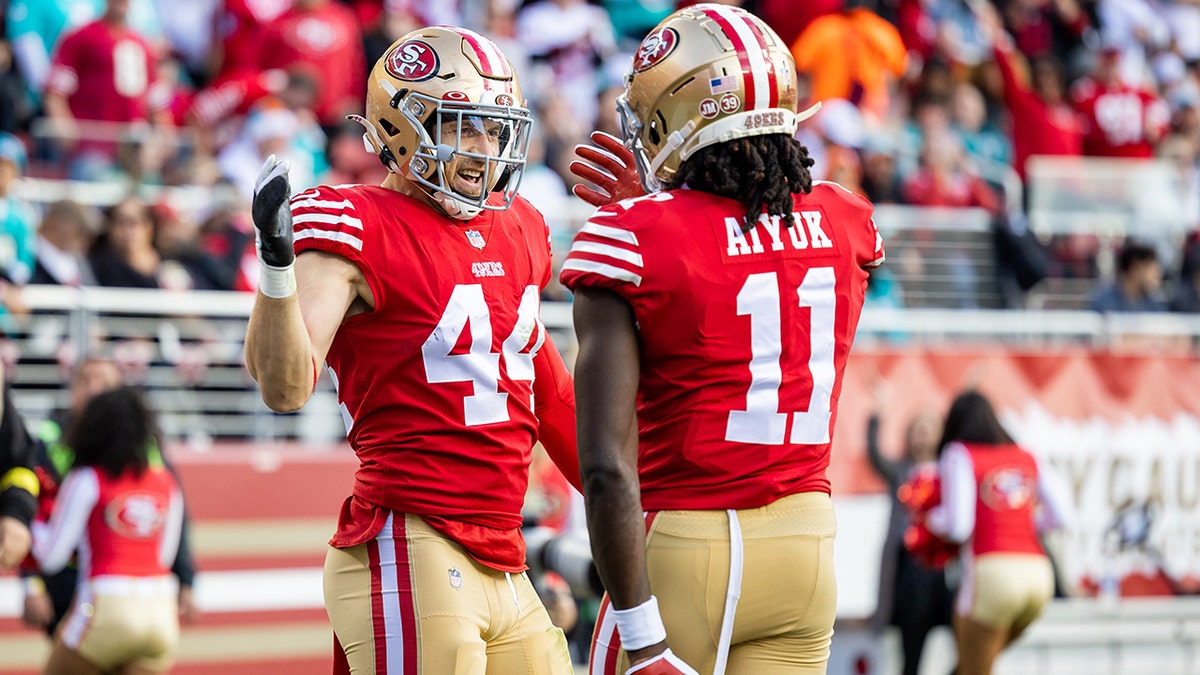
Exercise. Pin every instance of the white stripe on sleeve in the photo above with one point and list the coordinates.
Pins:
(79, 494)
(169, 546)
(610, 271)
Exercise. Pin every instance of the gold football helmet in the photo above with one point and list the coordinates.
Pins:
(442, 78)
(707, 74)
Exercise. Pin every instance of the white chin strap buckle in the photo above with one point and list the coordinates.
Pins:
(456, 208)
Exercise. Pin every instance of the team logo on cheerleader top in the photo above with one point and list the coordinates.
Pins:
(1006, 489)
(455, 579)
(476, 238)
(136, 515)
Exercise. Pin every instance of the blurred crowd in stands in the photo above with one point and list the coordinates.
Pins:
(926, 102)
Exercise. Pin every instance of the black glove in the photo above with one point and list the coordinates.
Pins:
(272, 215)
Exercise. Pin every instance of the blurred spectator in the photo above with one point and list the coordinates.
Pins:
(606, 116)
(912, 597)
(176, 240)
(18, 222)
(35, 26)
(188, 30)
(218, 111)
(1183, 153)
(1044, 29)
(839, 125)
(242, 26)
(104, 72)
(15, 107)
(570, 39)
(986, 147)
(944, 178)
(124, 254)
(348, 163)
(880, 178)
(19, 486)
(1136, 28)
(547, 191)
(227, 237)
(917, 29)
(995, 500)
(929, 116)
(1041, 120)
(125, 616)
(851, 55)
(1120, 120)
(1138, 283)
(269, 130)
(561, 130)
(395, 20)
(64, 237)
(322, 39)
(790, 18)
(1185, 296)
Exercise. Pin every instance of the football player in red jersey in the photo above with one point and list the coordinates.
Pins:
(714, 318)
(421, 296)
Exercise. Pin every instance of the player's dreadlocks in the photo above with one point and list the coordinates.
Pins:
(758, 171)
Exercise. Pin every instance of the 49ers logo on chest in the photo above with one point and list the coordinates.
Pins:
(655, 48)
(413, 61)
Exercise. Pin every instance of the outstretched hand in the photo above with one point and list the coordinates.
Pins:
(608, 165)
(272, 216)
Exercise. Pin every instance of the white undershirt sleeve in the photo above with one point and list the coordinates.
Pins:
(54, 544)
(954, 518)
(171, 532)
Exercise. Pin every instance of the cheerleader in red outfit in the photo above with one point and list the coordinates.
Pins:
(120, 512)
(996, 497)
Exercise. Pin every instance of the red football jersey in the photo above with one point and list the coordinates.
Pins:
(106, 74)
(744, 337)
(1118, 119)
(437, 382)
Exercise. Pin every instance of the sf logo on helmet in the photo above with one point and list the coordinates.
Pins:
(413, 61)
(655, 48)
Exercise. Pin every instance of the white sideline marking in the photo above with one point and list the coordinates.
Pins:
(227, 591)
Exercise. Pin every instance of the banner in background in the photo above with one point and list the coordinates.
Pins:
(1124, 431)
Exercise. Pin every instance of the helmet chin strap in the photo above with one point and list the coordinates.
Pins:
(454, 207)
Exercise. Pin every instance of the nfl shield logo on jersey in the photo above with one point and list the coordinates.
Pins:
(455, 579)
(476, 238)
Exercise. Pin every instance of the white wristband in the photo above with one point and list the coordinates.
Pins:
(641, 626)
(277, 282)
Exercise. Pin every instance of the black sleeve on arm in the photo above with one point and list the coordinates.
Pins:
(18, 482)
(183, 567)
(888, 469)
